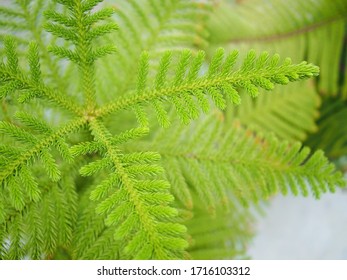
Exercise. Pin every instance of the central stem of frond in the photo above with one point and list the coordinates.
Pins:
(90, 116)
(84, 50)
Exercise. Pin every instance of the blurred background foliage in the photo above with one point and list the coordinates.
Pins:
(313, 112)
(313, 30)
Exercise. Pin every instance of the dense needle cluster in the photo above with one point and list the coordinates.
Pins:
(99, 161)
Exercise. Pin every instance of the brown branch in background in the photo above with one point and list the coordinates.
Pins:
(276, 37)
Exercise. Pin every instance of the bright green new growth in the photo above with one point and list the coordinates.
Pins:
(75, 179)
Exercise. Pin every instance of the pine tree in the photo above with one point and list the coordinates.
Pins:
(119, 133)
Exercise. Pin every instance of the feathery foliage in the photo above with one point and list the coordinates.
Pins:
(99, 161)
(303, 30)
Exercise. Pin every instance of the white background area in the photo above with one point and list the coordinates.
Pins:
(303, 228)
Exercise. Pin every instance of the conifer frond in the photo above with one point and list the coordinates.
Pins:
(29, 27)
(92, 239)
(231, 233)
(93, 183)
(38, 229)
(190, 92)
(274, 112)
(150, 25)
(299, 30)
(239, 164)
(138, 208)
(13, 79)
(34, 147)
(294, 28)
(80, 29)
